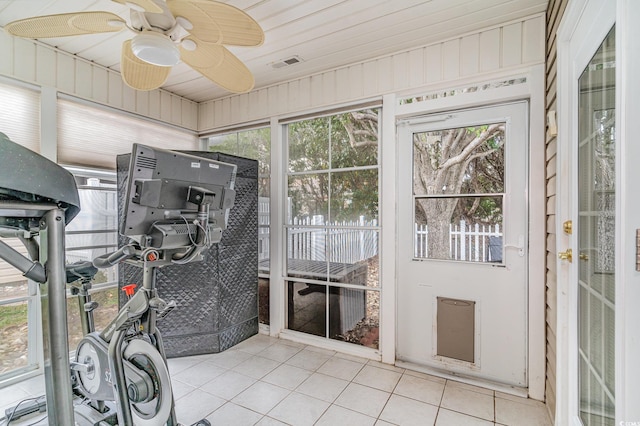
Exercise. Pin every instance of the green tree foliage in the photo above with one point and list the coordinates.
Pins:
(254, 144)
(337, 142)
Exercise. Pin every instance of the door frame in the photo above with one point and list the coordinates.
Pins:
(583, 27)
(533, 91)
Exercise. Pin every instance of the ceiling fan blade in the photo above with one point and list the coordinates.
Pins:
(66, 24)
(146, 5)
(219, 65)
(138, 74)
(216, 22)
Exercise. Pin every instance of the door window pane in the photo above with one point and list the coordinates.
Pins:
(466, 160)
(459, 228)
(596, 236)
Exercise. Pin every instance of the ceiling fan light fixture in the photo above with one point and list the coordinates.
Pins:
(155, 49)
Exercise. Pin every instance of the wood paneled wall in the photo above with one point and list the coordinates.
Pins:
(555, 11)
(471, 56)
(478, 55)
(38, 64)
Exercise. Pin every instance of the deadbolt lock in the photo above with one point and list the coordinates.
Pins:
(566, 255)
(567, 225)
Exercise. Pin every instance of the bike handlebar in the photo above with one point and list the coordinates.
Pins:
(110, 259)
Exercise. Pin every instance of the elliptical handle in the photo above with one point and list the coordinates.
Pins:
(110, 259)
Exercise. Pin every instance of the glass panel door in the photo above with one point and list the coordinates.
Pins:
(596, 236)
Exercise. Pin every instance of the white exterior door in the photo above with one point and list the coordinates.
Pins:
(598, 174)
(462, 246)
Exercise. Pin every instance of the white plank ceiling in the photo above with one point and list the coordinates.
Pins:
(325, 34)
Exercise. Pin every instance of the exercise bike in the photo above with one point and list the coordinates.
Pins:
(176, 207)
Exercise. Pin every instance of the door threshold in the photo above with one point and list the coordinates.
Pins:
(483, 383)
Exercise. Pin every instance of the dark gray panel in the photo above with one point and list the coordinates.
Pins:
(217, 298)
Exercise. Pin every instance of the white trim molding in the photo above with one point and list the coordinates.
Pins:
(531, 89)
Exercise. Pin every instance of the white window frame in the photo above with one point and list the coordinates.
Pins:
(279, 185)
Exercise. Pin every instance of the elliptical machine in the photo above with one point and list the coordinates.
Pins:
(175, 208)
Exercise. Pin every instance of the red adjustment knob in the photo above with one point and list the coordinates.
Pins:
(129, 289)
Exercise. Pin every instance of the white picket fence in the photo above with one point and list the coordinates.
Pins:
(466, 242)
(343, 242)
(353, 241)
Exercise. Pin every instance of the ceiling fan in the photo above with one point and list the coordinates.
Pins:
(167, 31)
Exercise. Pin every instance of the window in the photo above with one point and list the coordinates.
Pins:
(332, 231)
(94, 232)
(91, 233)
(20, 121)
(254, 144)
(20, 115)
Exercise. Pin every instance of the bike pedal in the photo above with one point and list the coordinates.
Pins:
(166, 310)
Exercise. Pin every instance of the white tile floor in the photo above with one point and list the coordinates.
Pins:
(266, 381)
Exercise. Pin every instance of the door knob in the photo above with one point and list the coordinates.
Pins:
(566, 255)
(583, 256)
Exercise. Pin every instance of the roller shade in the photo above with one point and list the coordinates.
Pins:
(92, 136)
(20, 115)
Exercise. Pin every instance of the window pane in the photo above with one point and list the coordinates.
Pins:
(467, 160)
(254, 144)
(263, 300)
(310, 261)
(93, 232)
(14, 332)
(263, 234)
(596, 227)
(354, 197)
(459, 228)
(227, 144)
(353, 255)
(309, 144)
(354, 316)
(354, 139)
(306, 307)
(12, 283)
(20, 116)
(264, 186)
(308, 199)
